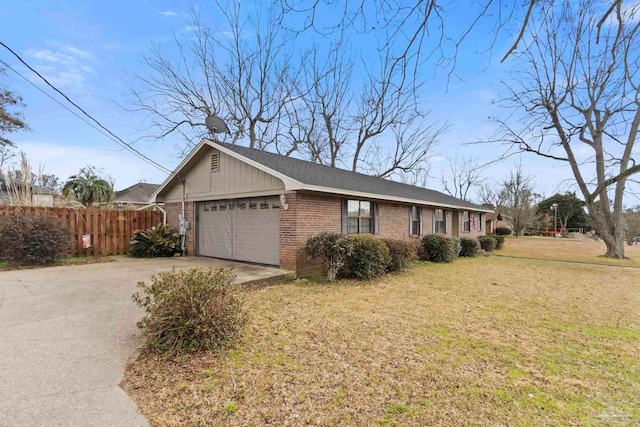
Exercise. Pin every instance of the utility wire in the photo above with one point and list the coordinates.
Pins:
(102, 129)
(57, 101)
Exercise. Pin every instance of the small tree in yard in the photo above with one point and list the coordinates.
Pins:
(331, 248)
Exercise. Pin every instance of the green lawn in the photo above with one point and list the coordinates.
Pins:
(485, 341)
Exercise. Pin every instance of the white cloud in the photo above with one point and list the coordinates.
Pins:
(66, 160)
(67, 66)
(167, 13)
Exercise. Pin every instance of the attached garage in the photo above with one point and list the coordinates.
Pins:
(240, 229)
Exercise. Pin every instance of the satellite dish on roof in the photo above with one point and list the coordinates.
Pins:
(216, 125)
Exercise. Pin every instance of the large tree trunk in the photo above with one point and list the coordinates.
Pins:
(613, 237)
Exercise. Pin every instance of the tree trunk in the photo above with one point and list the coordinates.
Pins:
(615, 242)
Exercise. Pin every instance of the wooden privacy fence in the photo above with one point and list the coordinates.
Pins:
(110, 230)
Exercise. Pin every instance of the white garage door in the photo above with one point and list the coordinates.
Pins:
(241, 229)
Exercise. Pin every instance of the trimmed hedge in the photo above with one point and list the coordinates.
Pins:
(470, 247)
(402, 252)
(487, 243)
(503, 231)
(369, 259)
(332, 249)
(30, 239)
(499, 241)
(437, 248)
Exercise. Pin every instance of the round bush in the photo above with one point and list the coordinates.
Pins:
(190, 310)
(402, 253)
(499, 241)
(30, 239)
(437, 248)
(370, 258)
(330, 248)
(470, 247)
(157, 241)
(487, 243)
(503, 231)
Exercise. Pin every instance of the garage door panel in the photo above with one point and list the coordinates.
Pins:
(241, 233)
(214, 232)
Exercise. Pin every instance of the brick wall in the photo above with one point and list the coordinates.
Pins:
(307, 215)
(174, 210)
(394, 221)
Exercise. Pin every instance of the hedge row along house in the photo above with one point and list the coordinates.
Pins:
(250, 205)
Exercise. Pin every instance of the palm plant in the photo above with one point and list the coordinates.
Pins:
(88, 187)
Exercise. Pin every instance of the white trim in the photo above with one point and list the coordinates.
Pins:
(389, 198)
(291, 184)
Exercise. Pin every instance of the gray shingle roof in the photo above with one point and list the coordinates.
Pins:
(137, 193)
(325, 176)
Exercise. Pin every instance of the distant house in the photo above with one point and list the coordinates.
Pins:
(135, 196)
(19, 193)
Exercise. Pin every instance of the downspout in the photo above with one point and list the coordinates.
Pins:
(155, 205)
(183, 236)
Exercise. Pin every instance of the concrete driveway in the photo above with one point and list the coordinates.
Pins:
(67, 333)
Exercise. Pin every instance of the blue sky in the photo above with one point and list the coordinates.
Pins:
(90, 50)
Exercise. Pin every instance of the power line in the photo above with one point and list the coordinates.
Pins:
(57, 101)
(102, 129)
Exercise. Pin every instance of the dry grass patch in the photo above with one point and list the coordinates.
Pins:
(575, 250)
(485, 341)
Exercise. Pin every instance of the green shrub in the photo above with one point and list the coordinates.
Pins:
(487, 243)
(437, 248)
(402, 252)
(470, 247)
(499, 241)
(370, 258)
(503, 231)
(30, 239)
(332, 249)
(190, 310)
(157, 241)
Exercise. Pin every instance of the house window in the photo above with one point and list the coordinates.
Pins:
(480, 221)
(215, 162)
(415, 221)
(439, 221)
(466, 222)
(359, 217)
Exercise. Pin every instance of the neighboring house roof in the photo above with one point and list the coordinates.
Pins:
(303, 175)
(137, 193)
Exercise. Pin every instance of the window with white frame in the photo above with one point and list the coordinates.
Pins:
(439, 221)
(359, 217)
(415, 220)
(466, 221)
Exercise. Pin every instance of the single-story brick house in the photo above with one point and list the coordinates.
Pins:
(251, 205)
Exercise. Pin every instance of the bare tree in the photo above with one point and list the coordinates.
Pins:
(463, 175)
(578, 90)
(303, 103)
(241, 71)
(6, 154)
(490, 194)
(518, 199)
